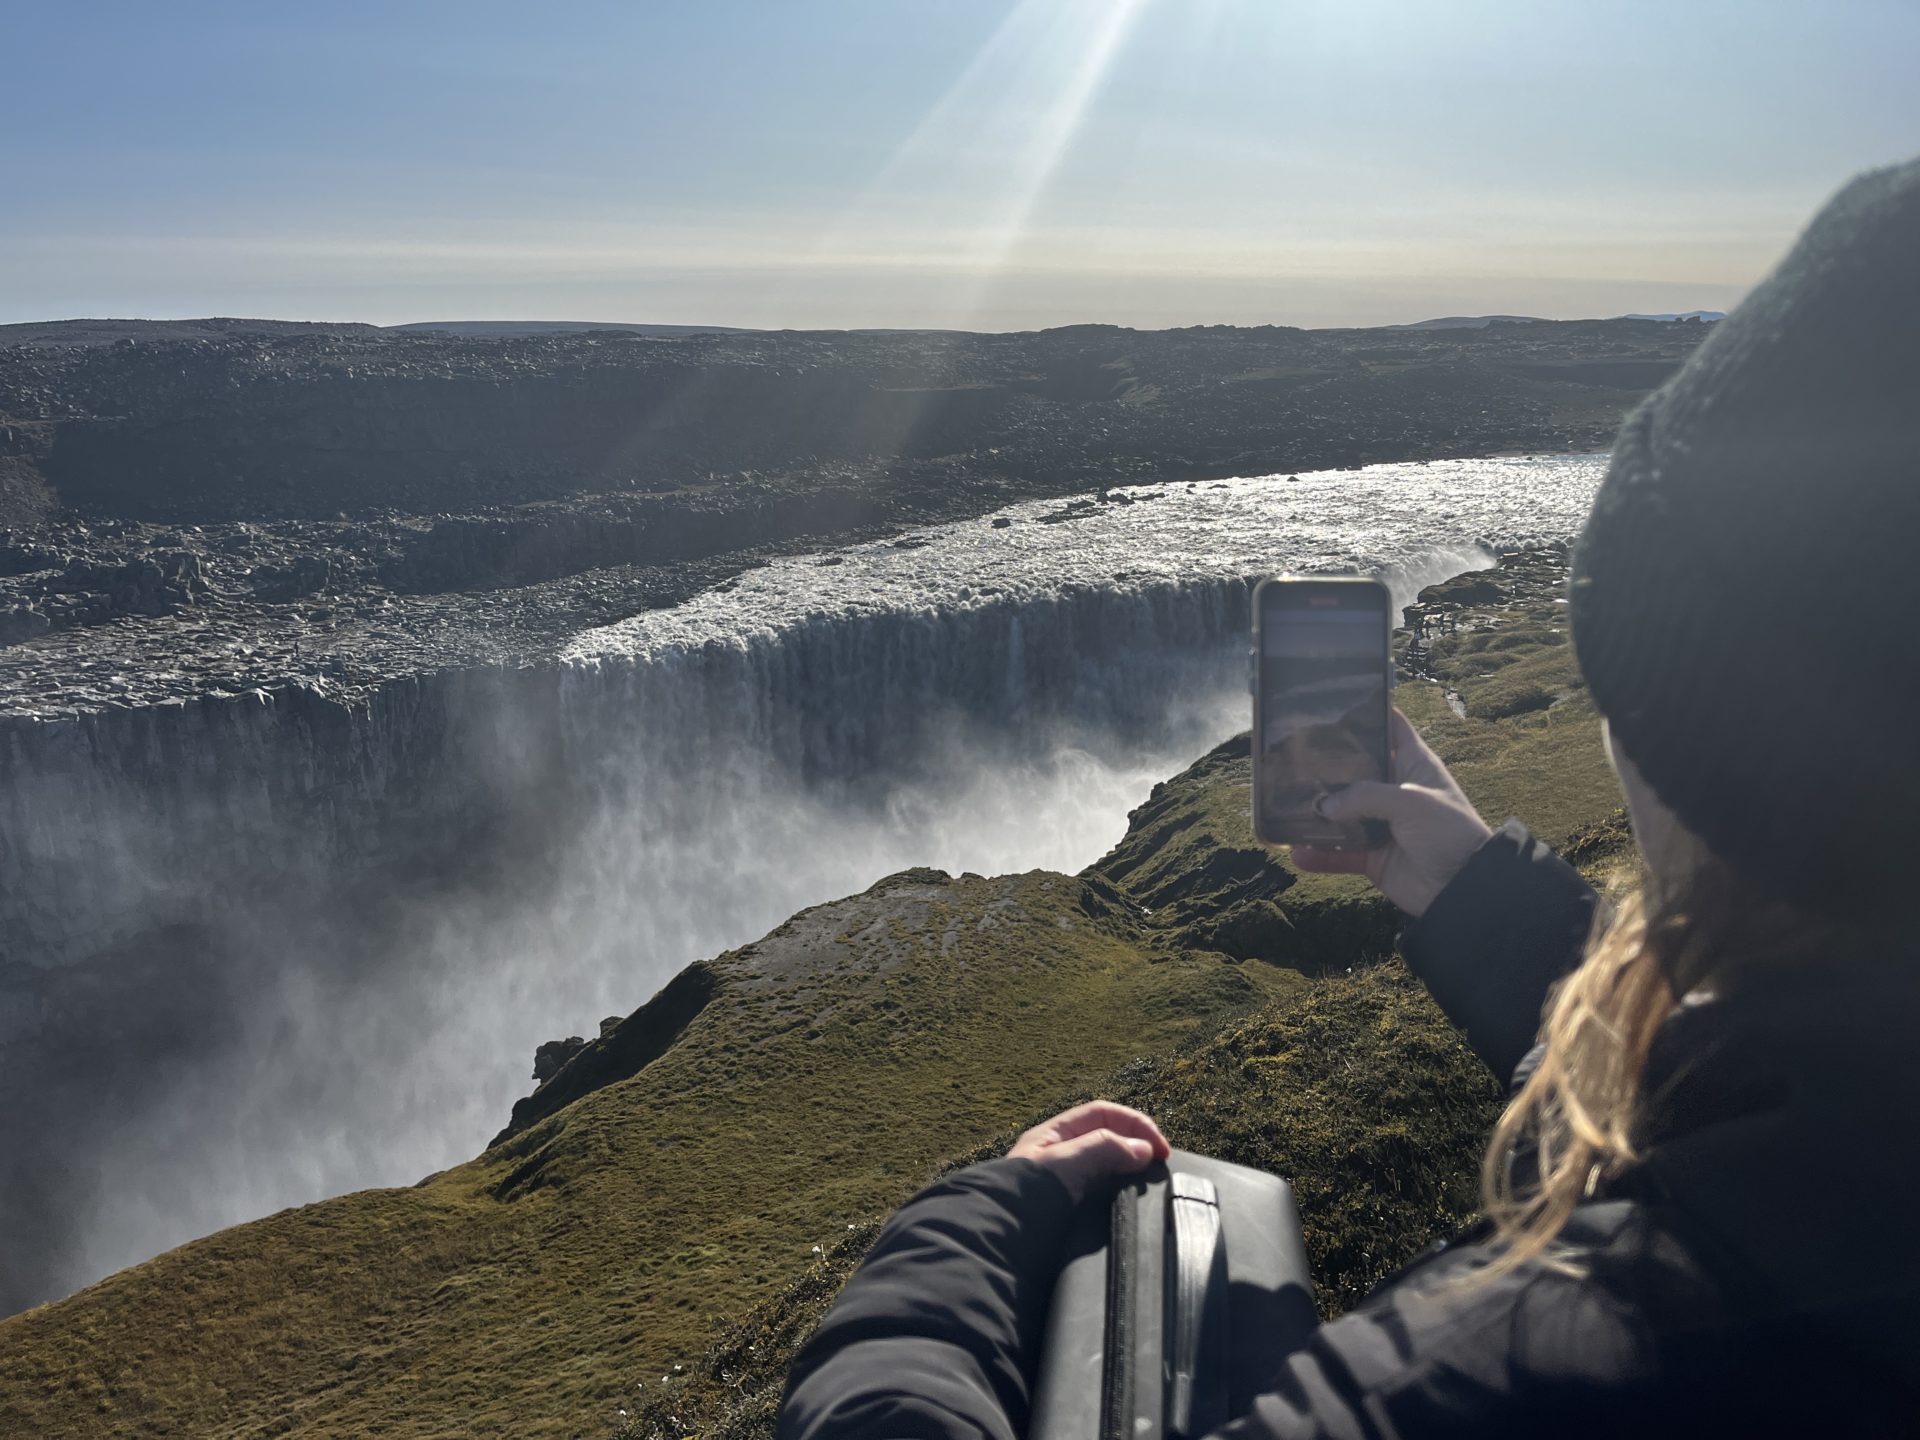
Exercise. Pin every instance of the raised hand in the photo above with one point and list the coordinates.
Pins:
(1091, 1143)
(1434, 827)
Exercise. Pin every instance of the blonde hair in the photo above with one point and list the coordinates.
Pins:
(1582, 1111)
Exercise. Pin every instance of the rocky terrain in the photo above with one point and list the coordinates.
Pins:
(192, 508)
(661, 1220)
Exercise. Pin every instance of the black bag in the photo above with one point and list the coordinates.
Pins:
(1177, 1305)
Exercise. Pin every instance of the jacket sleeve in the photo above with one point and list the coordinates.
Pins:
(1529, 1353)
(1511, 923)
(938, 1333)
(937, 1337)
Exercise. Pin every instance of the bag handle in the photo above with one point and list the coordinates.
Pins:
(1117, 1397)
(1196, 1392)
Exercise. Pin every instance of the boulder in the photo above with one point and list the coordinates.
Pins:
(551, 1057)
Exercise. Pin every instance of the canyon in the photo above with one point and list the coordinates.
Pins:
(380, 706)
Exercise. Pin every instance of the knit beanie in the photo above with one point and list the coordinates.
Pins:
(1746, 594)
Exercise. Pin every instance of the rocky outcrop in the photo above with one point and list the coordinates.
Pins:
(626, 1046)
(552, 1057)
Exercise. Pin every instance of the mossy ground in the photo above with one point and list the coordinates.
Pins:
(843, 1057)
(1354, 1087)
(833, 1068)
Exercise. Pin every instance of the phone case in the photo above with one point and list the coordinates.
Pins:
(1374, 833)
(1178, 1304)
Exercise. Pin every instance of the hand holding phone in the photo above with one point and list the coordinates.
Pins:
(1433, 828)
(1338, 774)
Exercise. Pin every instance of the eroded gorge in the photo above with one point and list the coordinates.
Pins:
(376, 707)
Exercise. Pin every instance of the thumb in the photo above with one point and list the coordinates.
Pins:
(1377, 800)
(1096, 1156)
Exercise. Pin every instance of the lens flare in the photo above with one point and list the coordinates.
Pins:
(1014, 113)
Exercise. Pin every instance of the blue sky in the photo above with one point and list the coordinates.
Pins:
(995, 164)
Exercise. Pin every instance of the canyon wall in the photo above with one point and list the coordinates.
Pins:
(125, 819)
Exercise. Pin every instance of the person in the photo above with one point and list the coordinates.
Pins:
(1700, 1201)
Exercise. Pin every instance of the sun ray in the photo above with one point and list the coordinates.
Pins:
(1015, 110)
(1052, 138)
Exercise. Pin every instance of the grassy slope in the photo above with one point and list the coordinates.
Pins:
(1354, 1087)
(837, 1064)
(841, 1059)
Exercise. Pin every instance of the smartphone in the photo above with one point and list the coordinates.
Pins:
(1322, 673)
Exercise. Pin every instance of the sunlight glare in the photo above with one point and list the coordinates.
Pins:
(1013, 114)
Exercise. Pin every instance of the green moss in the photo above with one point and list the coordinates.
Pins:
(1356, 1088)
(1529, 741)
(1361, 1094)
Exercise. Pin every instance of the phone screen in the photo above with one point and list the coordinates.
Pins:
(1322, 706)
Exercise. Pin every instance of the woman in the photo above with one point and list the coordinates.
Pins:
(1702, 1216)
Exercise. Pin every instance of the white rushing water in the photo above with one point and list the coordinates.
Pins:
(1397, 521)
(981, 697)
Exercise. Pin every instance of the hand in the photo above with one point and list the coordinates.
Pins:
(1091, 1143)
(1433, 827)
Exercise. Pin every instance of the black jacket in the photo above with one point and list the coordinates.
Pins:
(1756, 1275)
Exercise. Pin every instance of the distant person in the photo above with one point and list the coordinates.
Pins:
(1704, 1215)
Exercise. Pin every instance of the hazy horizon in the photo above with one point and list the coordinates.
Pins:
(1004, 165)
(548, 322)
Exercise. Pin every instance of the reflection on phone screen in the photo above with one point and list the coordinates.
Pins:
(1323, 710)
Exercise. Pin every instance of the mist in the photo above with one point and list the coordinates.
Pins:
(409, 1058)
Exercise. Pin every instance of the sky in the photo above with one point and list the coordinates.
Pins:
(978, 164)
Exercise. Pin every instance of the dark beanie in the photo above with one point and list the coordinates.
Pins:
(1746, 593)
